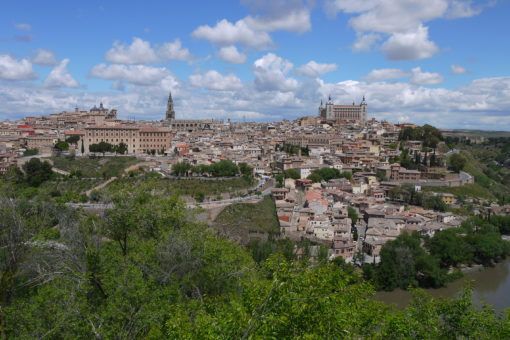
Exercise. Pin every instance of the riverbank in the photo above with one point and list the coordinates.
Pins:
(490, 286)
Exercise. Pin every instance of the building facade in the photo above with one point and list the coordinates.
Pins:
(344, 113)
(139, 139)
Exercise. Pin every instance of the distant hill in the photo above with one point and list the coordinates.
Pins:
(473, 133)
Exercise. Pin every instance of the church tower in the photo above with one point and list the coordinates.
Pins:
(170, 113)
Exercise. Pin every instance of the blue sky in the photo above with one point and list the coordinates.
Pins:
(443, 62)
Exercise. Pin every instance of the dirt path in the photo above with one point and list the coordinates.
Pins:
(100, 186)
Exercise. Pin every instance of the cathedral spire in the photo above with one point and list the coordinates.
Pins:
(170, 113)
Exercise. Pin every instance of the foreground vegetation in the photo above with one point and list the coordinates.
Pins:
(146, 271)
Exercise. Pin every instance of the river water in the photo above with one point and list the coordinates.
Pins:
(490, 286)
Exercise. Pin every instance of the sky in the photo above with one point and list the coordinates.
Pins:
(442, 62)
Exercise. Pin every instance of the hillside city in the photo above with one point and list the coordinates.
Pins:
(96, 209)
(332, 176)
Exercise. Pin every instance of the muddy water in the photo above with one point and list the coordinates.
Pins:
(490, 285)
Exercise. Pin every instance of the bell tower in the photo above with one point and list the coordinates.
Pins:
(170, 113)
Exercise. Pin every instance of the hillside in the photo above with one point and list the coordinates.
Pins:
(238, 221)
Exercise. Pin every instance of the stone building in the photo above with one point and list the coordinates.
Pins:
(139, 139)
(344, 113)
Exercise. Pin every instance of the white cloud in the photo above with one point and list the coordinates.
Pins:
(462, 9)
(279, 15)
(60, 76)
(402, 21)
(314, 69)
(44, 58)
(139, 52)
(482, 104)
(174, 50)
(294, 21)
(364, 42)
(398, 16)
(13, 69)
(271, 74)
(213, 80)
(23, 26)
(232, 55)
(410, 45)
(225, 33)
(419, 77)
(134, 74)
(385, 74)
(457, 69)
(142, 52)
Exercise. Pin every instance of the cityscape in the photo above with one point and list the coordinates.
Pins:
(294, 204)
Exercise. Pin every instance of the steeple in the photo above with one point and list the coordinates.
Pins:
(170, 113)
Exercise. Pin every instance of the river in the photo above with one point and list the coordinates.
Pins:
(490, 285)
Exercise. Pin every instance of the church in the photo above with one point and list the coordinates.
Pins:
(184, 125)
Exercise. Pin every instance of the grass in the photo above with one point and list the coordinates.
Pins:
(187, 187)
(243, 218)
(469, 190)
(94, 167)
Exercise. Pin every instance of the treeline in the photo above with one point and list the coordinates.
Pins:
(407, 194)
(317, 176)
(104, 147)
(428, 134)
(326, 174)
(223, 168)
(145, 271)
(414, 261)
(415, 160)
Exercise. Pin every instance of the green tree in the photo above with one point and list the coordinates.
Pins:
(74, 139)
(61, 146)
(31, 152)
(37, 172)
(292, 173)
(457, 162)
(121, 148)
(245, 169)
(451, 247)
(181, 168)
(353, 215)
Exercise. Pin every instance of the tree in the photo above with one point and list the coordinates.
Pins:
(404, 263)
(37, 172)
(292, 173)
(451, 248)
(61, 146)
(315, 177)
(101, 147)
(181, 168)
(326, 174)
(224, 168)
(457, 162)
(245, 169)
(73, 139)
(31, 152)
(353, 215)
(121, 148)
(280, 178)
